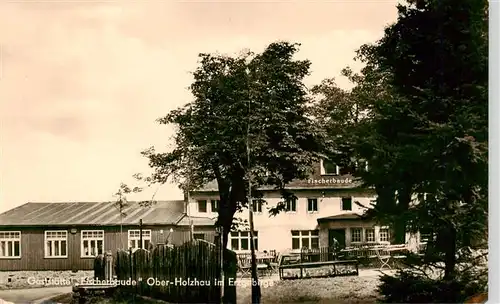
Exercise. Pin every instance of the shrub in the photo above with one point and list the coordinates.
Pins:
(407, 287)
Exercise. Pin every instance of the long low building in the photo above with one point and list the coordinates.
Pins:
(67, 236)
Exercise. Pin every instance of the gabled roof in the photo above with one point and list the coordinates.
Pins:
(342, 217)
(99, 214)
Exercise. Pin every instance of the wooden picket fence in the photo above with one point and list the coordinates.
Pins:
(189, 273)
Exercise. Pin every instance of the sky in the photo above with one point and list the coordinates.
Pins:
(83, 82)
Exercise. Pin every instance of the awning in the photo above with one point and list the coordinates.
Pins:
(342, 217)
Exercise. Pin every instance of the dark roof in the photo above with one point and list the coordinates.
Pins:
(315, 181)
(102, 214)
(342, 217)
(319, 183)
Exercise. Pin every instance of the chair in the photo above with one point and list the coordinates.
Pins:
(399, 253)
(273, 252)
(263, 267)
(244, 265)
(384, 258)
(275, 263)
(261, 261)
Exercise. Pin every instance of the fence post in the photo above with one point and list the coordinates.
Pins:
(131, 263)
(108, 268)
(99, 265)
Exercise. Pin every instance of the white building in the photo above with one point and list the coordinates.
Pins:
(328, 207)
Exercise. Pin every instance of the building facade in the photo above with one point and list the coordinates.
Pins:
(328, 209)
(67, 236)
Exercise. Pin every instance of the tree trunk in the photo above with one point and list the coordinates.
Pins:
(229, 291)
(231, 191)
(450, 260)
(404, 199)
(399, 230)
(386, 202)
(225, 220)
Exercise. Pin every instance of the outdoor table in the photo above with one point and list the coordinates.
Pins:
(386, 253)
(397, 252)
(264, 257)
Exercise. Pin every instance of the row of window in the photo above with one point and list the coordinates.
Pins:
(291, 205)
(203, 206)
(309, 238)
(92, 241)
(56, 243)
(300, 239)
(367, 235)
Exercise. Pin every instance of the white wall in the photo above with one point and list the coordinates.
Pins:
(275, 232)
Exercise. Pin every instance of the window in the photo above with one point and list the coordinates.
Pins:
(199, 236)
(356, 235)
(215, 205)
(329, 168)
(305, 239)
(312, 205)
(291, 205)
(241, 240)
(56, 244)
(92, 243)
(370, 235)
(383, 235)
(202, 206)
(134, 239)
(257, 207)
(347, 204)
(10, 244)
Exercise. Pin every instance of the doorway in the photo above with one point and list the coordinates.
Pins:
(339, 235)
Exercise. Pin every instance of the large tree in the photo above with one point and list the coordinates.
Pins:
(358, 125)
(248, 121)
(432, 120)
(339, 112)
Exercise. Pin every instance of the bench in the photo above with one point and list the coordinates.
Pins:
(303, 266)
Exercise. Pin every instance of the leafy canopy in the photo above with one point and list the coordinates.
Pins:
(428, 120)
(258, 99)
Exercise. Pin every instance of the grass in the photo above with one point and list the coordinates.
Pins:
(321, 290)
(354, 290)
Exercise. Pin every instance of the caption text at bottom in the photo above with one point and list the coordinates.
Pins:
(149, 281)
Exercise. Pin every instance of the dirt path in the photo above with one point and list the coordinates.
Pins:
(32, 295)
